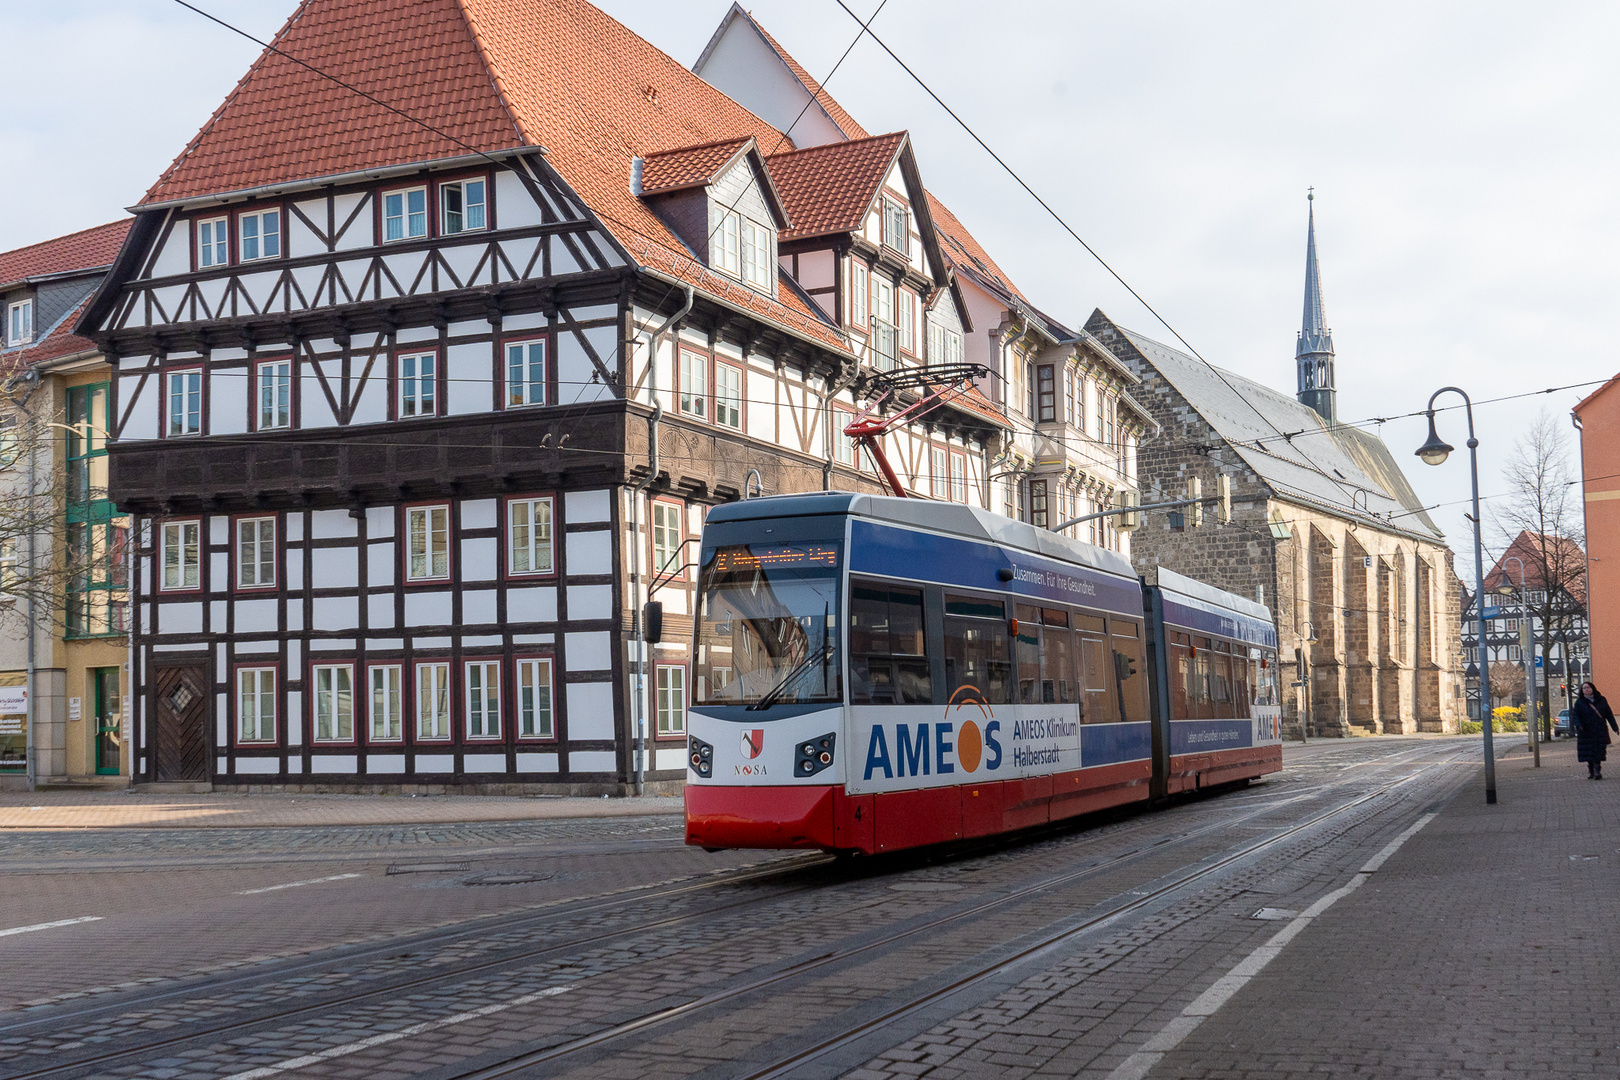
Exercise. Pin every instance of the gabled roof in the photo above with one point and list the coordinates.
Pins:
(830, 189)
(1593, 396)
(488, 75)
(835, 112)
(1345, 470)
(1564, 557)
(87, 250)
(689, 166)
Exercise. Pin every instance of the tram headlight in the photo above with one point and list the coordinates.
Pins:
(814, 755)
(700, 756)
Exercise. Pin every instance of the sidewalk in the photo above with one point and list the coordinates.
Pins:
(1486, 947)
(118, 809)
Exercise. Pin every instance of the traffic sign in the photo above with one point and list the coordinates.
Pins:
(1491, 612)
(1539, 659)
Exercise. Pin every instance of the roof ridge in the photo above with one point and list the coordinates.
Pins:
(735, 141)
(837, 146)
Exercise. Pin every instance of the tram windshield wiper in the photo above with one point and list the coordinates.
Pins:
(771, 696)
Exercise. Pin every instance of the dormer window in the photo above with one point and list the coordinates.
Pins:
(756, 254)
(405, 214)
(461, 207)
(744, 249)
(725, 255)
(896, 227)
(20, 322)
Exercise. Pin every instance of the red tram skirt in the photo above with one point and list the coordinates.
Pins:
(1189, 772)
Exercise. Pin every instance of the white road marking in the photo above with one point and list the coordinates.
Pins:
(50, 925)
(1209, 1002)
(296, 884)
(395, 1036)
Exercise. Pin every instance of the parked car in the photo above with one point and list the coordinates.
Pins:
(1561, 725)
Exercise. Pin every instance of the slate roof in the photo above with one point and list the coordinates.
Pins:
(1341, 469)
(689, 166)
(829, 189)
(88, 249)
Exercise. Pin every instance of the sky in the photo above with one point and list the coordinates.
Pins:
(1463, 157)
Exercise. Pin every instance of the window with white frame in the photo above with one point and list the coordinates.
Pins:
(427, 543)
(418, 384)
(256, 705)
(534, 699)
(9, 579)
(525, 373)
(528, 536)
(461, 207)
(671, 680)
(726, 244)
(483, 699)
(667, 528)
(728, 384)
(213, 242)
(1513, 653)
(334, 703)
(185, 402)
(405, 214)
(905, 321)
(756, 254)
(255, 553)
(387, 704)
(259, 235)
(432, 701)
(275, 394)
(1037, 503)
(958, 477)
(694, 389)
(858, 289)
(1069, 413)
(1029, 388)
(882, 323)
(843, 445)
(939, 473)
(896, 226)
(20, 322)
(182, 558)
(944, 345)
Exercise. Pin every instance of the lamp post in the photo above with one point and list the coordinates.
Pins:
(1303, 668)
(1527, 653)
(1434, 452)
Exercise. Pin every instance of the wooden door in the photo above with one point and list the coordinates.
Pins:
(180, 737)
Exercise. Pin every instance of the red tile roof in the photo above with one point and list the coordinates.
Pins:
(690, 166)
(284, 122)
(1560, 555)
(965, 252)
(495, 74)
(846, 123)
(829, 189)
(89, 249)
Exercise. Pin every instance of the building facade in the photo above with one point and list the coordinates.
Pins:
(412, 425)
(64, 605)
(1324, 529)
(1597, 418)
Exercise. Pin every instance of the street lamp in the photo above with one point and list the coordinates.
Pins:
(1434, 452)
(1303, 668)
(1527, 652)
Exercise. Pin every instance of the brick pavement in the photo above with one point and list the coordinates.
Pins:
(1486, 947)
(128, 809)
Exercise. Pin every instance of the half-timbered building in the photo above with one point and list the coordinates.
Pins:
(430, 351)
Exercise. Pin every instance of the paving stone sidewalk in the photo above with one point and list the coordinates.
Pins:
(1486, 947)
(121, 809)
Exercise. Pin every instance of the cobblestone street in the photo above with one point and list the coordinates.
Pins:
(1326, 922)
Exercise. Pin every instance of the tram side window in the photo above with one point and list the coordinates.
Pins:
(1240, 683)
(1060, 665)
(1126, 642)
(1263, 676)
(887, 646)
(1220, 680)
(1181, 676)
(977, 651)
(1101, 703)
(1202, 697)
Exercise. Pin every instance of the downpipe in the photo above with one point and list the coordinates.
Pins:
(637, 490)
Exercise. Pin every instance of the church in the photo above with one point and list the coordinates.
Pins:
(1324, 529)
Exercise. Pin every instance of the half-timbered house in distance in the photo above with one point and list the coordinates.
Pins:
(424, 372)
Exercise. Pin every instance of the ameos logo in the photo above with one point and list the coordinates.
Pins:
(923, 748)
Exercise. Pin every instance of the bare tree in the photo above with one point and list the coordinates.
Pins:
(1540, 523)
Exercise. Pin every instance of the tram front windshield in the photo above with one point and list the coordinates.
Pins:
(768, 621)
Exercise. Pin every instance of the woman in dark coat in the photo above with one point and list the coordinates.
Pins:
(1593, 718)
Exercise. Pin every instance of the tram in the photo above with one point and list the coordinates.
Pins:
(874, 673)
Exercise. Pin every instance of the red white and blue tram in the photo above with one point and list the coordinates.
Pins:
(876, 673)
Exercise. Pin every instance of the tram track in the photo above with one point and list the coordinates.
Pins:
(324, 1003)
(540, 1058)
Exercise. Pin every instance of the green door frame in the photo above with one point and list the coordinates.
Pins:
(108, 731)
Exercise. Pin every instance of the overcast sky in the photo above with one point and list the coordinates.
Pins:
(1463, 155)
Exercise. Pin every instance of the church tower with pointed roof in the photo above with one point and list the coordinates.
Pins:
(1313, 357)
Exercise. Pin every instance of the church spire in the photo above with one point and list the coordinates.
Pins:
(1314, 354)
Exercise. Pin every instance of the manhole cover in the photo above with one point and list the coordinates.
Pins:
(924, 886)
(506, 877)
